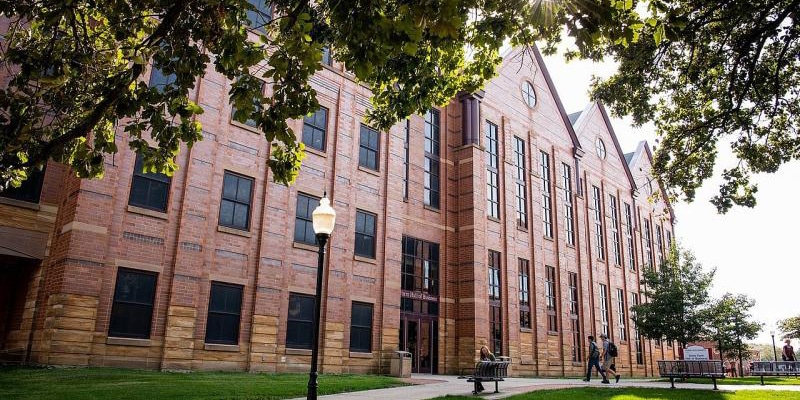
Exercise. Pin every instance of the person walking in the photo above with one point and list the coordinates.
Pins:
(609, 356)
(594, 361)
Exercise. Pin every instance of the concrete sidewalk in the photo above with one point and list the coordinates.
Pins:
(426, 386)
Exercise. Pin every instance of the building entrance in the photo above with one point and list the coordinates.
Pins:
(419, 336)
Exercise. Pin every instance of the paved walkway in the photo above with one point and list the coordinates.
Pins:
(430, 386)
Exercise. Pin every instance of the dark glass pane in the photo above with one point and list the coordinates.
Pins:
(226, 213)
(30, 190)
(132, 310)
(240, 216)
(298, 335)
(301, 307)
(244, 191)
(135, 287)
(229, 184)
(159, 80)
(225, 298)
(222, 328)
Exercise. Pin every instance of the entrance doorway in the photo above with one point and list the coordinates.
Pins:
(419, 336)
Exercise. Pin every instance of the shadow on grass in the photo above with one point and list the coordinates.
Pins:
(624, 393)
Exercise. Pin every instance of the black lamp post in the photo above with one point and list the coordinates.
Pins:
(324, 219)
(774, 349)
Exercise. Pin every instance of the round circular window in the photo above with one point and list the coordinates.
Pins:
(529, 94)
(600, 148)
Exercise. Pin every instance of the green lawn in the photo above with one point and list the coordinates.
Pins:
(128, 384)
(610, 393)
(748, 380)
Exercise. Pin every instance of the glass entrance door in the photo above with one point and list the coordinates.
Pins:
(418, 336)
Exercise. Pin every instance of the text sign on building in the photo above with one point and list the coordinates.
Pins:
(418, 296)
(695, 353)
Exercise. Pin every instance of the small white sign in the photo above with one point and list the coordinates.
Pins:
(695, 353)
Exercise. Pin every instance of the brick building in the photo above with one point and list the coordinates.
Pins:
(497, 219)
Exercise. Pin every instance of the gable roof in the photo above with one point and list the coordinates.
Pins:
(621, 155)
(643, 149)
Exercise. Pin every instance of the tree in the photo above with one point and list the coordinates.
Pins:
(790, 327)
(729, 324)
(75, 69)
(676, 299)
(716, 71)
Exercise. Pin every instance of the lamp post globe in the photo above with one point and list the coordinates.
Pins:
(324, 220)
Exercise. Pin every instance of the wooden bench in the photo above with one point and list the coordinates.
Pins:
(672, 369)
(488, 371)
(774, 368)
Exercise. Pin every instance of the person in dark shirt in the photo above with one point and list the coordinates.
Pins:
(594, 361)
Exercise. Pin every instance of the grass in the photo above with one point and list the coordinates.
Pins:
(748, 380)
(128, 384)
(590, 393)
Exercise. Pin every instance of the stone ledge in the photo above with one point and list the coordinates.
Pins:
(298, 352)
(356, 354)
(234, 231)
(221, 347)
(128, 341)
(147, 212)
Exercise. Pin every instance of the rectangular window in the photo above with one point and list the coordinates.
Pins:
(361, 328)
(303, 226)
(629, 238)
(621, 317)
(550, 298)
(149, 190)
(574, 315)
(234, 209)
(615, 237)
(224, 313)
(547, 199)
(365, 234)
(406, 158)
(494, 275)
(659, 245)
(368, 148)
(604, 310)
(314, 129)
(598, 224)
(495, 305)
(569, 217)
(524, 294)
(160, 80)
(300, 320)
(31, 188)
(327, 58)
(420, 271)
(259, 15)
(636, 337)
(132, 311)
(669, 240)
(432, 185)
(492, 171)
(648, 247)
(248, 119)
(519, 182)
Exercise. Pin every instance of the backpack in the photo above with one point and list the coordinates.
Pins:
(612, 349)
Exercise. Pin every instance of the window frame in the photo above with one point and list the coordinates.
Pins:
(604, 318)
(550, 296)
(236, 201)
(115, 301)
(492, 170)
(31, 189)
(521, 192)
(365, 234)
(569, 209)
(599, 236)
(310, 122)
(307, 221)
(213, 314)
(367, 149)
(419, 271)
(361, 328)
(432, 187)
(621, 315)
(615, 236)
(524, 294)
(574, 316)
(547, 199)
(301, 323)
(140, 177)
(529, 94)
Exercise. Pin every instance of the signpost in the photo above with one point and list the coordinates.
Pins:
(695, 353)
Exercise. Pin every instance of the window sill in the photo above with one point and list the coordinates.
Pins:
(431, 208)
(316, 151)
(495, 219)
(233, 348)
(369, 171)
(234, 231)
(20, 203)
(298, 352)
(244, 126)
(522, 228)
(552, 333)
(577, 364)
(528, 330)
(147, 212)
(358, 354)
(548, 238)
(305, 246)
(128, 341)
(365, 259)
(571, 246)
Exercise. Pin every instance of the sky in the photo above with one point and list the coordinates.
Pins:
(751, 248)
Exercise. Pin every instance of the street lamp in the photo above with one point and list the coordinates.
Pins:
(774, 349)
(324, 219)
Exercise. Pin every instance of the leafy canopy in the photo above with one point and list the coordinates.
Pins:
(730, 324)
(716, 72)
(676, 299)
(76, 68)
(790, 327)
